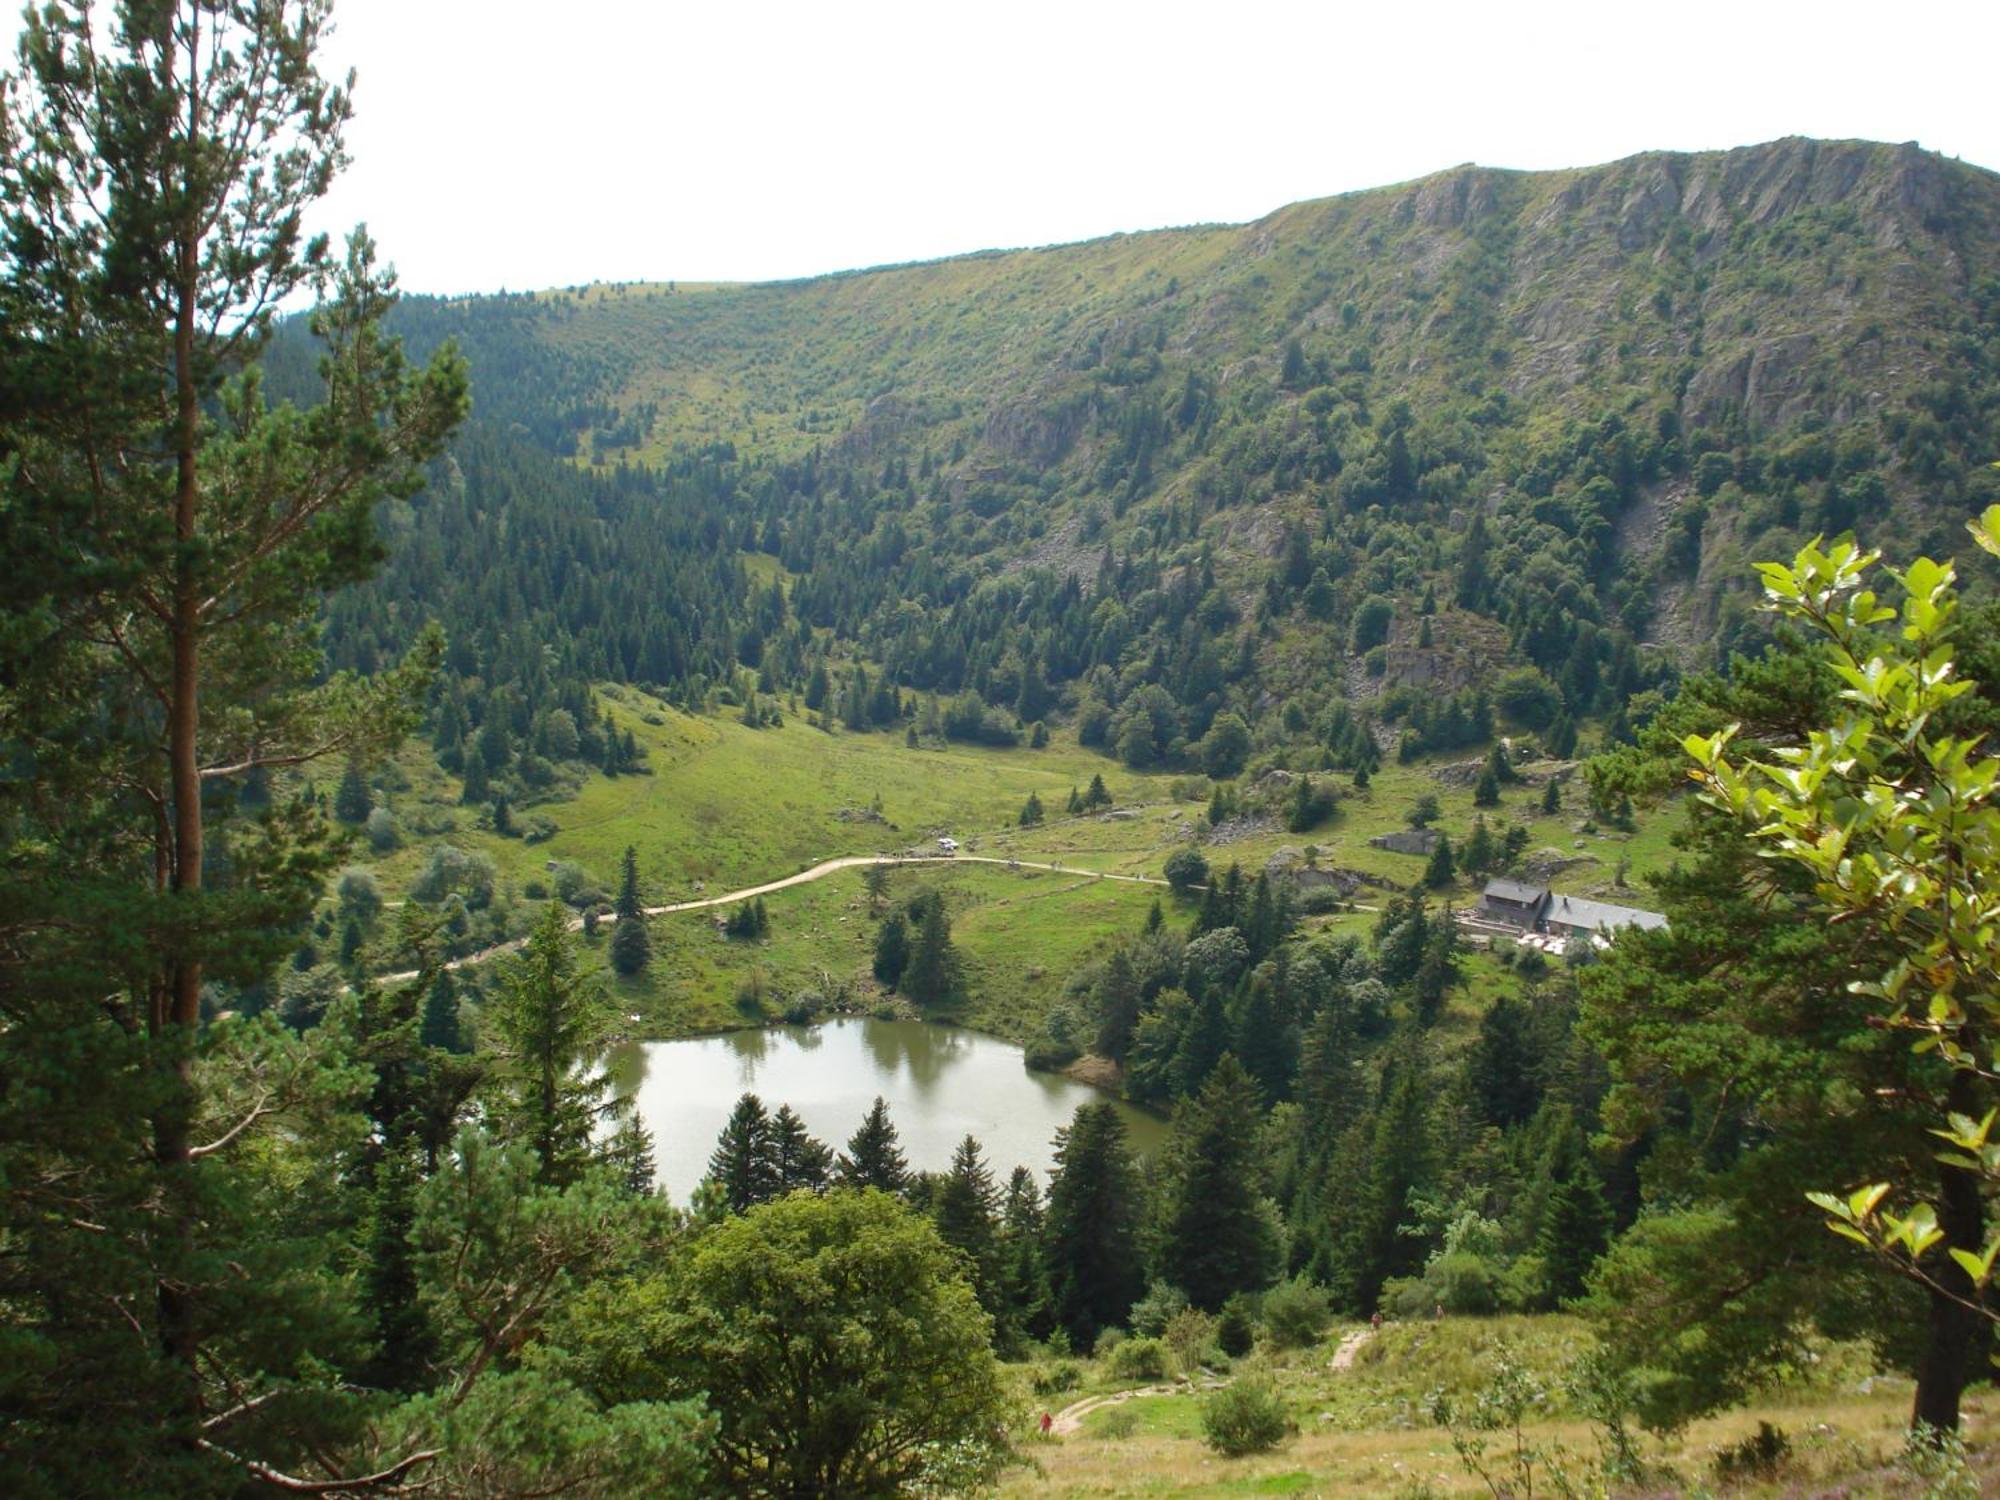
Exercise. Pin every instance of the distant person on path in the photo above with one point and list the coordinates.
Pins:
(1376, 1321)
(1047, 1423)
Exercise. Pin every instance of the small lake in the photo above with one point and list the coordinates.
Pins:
(942, 1083)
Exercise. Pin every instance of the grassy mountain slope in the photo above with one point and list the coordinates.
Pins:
(1745, 345)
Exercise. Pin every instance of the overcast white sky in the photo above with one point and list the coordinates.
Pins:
(501, 143)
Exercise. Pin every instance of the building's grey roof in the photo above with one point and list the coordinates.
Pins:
(1599, 916)
(1515, 891)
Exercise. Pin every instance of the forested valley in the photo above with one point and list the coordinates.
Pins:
(1144, 652)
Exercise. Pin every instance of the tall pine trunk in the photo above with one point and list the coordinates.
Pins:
(172, 1130)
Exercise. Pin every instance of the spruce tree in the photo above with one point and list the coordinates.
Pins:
(931, 977)
(1576, 1223)
(892, 949)
(406, 1344)
(1024, 1278)
(1481, 854)
(547, 1019)
(873, 1159)
(744, 1166)
(965, 1206)
(351, 802)
(1266, 1045)
(1118, 1003)
(1093, 1218)
(631, 946)
(440, 1024)
(1441, 870)
(800, 1161)
(1218, 1233)
(1400, 1161)
(629, 904)
(1031, 811)
(1502, 1065)
(1552, 798)
(477, 789)
(629, 1154)
(1486, 790)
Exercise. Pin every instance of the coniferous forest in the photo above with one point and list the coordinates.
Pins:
(1172, 655)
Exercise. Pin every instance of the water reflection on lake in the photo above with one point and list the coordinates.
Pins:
(942, 1083)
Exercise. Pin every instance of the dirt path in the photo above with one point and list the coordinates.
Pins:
(1343, 1357)
(817, 872)
(1070, 1418)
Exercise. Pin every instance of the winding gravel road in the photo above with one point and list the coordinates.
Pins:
(817, 872)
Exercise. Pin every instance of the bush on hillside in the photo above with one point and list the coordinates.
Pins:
(1297, 1313)
(1139, 1359)
(1246, 1417)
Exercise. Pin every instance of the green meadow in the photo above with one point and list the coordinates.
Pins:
(723, 807)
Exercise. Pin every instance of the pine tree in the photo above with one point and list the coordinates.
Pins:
(800, 1161)
(1260, 924)
(1031, 811)
(629, 904)
(892, 950)
(873, 1159)
(965, 1206)
(1218, 1233)
(1117, 1006)
(1075, 803)
(931, 977)
(1552, 798)
(1502, 1065)
(1098, 795)
(1576, 1223)
(1263, 1042)
(1486, 790)
(744, 1166)
(440, 1023)
(1024, 1277)
(1400, 1161)
(1562, 736)
(406, 1344)
(1481, 854)
(169, 541)
(503, 817)
(631, 946)
(1438, 969)
(477, 789)
(1093, 1218)
(548, 1019)
(351, 803)
(629, 1155)
(875, 881)
(1441, 870)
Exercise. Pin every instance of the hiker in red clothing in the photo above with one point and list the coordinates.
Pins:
(1047, 1422)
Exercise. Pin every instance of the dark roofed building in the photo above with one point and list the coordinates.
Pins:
(1513, 902)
